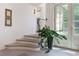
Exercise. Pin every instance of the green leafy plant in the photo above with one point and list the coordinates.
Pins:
(48, 35)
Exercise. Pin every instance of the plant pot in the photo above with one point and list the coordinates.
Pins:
(50, 43)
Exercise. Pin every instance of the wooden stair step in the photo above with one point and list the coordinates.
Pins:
(23, 48)
(28, 40)
(25, 42)
(22, 45)
(33, 36)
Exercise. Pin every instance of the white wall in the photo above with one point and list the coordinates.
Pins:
(42, 15)
(23, 22)
(47, 11)
(43, 11)
(50, 14)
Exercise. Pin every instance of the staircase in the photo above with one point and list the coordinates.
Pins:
(28, 42)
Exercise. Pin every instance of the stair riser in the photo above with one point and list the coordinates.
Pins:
(31, 36)
(22, 48)
(33, 39)
(28, 43)
(17, 45)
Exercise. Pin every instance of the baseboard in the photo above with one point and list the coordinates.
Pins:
(66, 48)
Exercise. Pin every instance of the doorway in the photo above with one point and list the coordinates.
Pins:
(67, 23)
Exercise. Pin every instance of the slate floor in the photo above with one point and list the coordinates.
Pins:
(54, 52)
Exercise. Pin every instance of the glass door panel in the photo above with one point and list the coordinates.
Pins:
(61, 19)
(75, 40)
(67, 23)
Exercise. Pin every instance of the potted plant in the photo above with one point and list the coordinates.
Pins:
(48, 35)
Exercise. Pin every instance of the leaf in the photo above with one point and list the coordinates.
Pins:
(48, 33)
(58, 41)
(63, 37)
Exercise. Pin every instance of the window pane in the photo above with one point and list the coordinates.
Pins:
(62, 18)
(76, 17)
(76, 30)
(76, 24)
